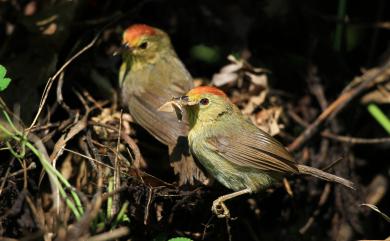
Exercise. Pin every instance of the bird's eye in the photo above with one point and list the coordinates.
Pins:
(144, 45)
(204, 101)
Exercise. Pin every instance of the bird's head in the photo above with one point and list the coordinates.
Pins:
(142, 41)
(205, 104)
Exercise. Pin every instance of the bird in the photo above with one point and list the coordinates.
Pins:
(234, 151)
(150, 73)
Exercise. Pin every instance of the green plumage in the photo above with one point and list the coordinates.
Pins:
(234, 151)
(150, 75)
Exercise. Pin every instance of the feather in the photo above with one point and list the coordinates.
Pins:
(325, 176)
(251, 147)
(145, 90)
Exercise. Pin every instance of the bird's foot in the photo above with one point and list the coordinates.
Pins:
(219, 208)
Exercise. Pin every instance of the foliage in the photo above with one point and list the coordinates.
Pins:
(4, 82)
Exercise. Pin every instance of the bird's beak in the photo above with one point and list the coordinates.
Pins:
(184, 100)
(122, 49)
(176, 104)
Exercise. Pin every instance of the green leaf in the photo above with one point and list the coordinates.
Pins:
(180, 239)
(4, 82)
(207, 54)
(379, 116)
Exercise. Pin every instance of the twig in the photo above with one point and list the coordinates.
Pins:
(84, 146)
(60, 99)
(324, 197)
(370, 78)
(95, 102)
(228, 229)
(61, 143)
(206, 226)
(9, 239)
(110, 235)
(30, 167)
(354, 140)
(332, 164)
(82, 226)
(82, 100)
(7, 175)
(287, 187)
(134, 147)
(315, 86)
(25, 177)
(54, 77)
(39, 220)
(34, 211)
(117, 180)
(52, 178)
(147, 207)
(87, 157)
(349, 139)
(106, 195)
(46, 126)
(250, 229)
(376, 190)
(376, 209)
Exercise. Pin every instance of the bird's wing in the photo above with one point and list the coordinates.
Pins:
(254, 148)
(145, 91)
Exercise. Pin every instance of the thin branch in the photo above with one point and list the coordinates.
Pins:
(324, 197)
(54, 77)
(30, 167)
(117, 180)
(355, 140)
(110, 235)
(341, 138)
(369, 79)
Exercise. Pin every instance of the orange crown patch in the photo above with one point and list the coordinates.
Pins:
(206, 90)
(135, 31)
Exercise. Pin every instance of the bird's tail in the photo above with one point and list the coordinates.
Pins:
(325, 176)
(184, 164)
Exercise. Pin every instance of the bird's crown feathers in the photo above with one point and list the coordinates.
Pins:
(133, 33)
(203, 90)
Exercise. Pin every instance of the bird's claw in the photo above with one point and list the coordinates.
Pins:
(219, 208)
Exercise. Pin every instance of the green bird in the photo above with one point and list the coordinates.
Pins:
(234, 151)
(150, 74)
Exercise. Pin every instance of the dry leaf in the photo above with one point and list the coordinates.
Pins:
(254, 102)
(267, 120)
(107, 116)
(228, 73)
(50, 30)
(260, 80)
(221, 79)
(376, 190)
(198, 82)
(67, 167)
(30, 8)
(237, 70)
(172, 106)
(167, 107)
